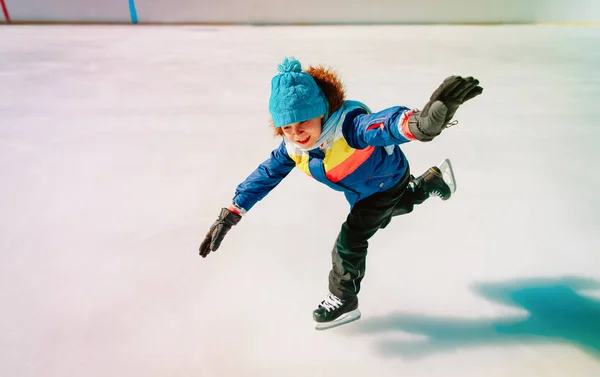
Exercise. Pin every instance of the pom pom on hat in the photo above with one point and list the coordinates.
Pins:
(289, 65)
(295, 96)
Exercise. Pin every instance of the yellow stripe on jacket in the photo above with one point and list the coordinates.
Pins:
(340, 159)
(301, 159)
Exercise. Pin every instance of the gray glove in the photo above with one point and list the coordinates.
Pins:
(443, 103)
(218, 230)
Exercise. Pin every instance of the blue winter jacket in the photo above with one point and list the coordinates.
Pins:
(362, 157)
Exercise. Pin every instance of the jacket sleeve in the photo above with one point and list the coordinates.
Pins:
(263, 179)
(386, 127)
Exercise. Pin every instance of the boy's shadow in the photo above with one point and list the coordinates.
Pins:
(556, 313)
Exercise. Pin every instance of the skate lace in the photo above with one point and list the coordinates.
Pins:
(453, 123)
(436, 193)
(331, 302)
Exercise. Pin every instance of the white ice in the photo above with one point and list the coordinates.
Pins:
(119, 145)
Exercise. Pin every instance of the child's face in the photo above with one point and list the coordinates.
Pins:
(304, 133)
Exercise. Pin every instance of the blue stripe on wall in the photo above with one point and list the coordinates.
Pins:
(133, 12)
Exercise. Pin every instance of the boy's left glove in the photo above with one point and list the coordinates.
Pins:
(218, 230)
(443, 103)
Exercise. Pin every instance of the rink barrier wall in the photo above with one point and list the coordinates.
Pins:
(305, 13)
(5, 11)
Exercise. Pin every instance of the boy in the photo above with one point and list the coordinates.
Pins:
(342, 144)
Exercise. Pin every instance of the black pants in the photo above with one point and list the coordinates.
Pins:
(366, 218)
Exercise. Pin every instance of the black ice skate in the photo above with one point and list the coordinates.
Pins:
(334, 312)
(437, 181)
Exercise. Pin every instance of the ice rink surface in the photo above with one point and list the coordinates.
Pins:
(120, 144)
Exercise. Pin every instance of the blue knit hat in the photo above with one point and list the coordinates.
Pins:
(295, 96)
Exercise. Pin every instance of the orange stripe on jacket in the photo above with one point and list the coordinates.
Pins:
(351, 161)
(350, 164)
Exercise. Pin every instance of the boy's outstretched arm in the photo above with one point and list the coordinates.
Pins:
(254, 188)
(382, 128)
(399, 124)
(263, 179)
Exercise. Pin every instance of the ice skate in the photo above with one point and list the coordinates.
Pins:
(437, 181)
(333, 312)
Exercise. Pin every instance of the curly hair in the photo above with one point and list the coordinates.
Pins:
(331, 86)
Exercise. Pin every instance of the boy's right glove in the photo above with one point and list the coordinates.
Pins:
(218, 230)
(443, 103)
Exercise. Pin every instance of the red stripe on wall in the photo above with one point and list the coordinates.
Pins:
(5, 11)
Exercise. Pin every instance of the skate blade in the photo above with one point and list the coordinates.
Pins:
(448, 174)
(341, 320)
